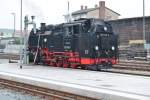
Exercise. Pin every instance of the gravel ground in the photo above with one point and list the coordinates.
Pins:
(7, 94)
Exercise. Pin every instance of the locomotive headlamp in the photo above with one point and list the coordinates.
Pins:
(105, 28)
(45, 39)
(96, 48)
(113, 48)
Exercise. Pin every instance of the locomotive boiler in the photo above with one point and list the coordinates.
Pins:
(84, 43)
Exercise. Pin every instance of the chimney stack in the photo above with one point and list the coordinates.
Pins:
(86, 7)
(43, 27)
(81, 7)
(102, 3)
(102, 10)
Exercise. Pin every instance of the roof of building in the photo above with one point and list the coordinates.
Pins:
(90, 9)
(131, 18)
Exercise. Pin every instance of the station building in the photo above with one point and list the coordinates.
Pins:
(130, 32)
(98, 11)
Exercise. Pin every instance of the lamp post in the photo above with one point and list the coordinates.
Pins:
(14, 15)
(144, 40)
(144, 23)
(21, 36)
(144, 33)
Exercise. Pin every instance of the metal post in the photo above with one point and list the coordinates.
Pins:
(68, 19)
(144, 32)
(14, 15)
(144, 40)
(144, 22)
(21, 42)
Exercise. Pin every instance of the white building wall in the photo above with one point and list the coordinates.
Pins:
(109, 15)
(93, 14)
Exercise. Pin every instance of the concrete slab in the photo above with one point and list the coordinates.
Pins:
(3, 61)
(100, 85)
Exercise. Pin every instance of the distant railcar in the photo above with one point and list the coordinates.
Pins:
(84, 43)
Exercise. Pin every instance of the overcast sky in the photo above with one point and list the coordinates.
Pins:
(52, 11)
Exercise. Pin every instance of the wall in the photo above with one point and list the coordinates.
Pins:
(131, 29)
(109, 15)
(93, 14)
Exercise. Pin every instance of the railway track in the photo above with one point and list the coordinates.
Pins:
(47, 94)
(128, 72)
(133, 65)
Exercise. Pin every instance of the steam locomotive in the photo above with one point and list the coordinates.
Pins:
(84, 43)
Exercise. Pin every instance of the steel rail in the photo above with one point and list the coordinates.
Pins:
(42, 91)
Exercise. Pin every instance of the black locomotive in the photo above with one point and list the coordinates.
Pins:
(84, 43)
